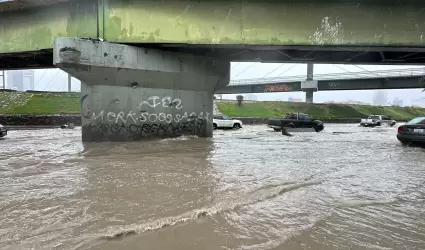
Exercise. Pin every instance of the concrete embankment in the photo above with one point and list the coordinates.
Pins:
(15, 122)
(40, 109)
(329, 113)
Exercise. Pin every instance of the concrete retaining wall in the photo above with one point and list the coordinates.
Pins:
(39, 120)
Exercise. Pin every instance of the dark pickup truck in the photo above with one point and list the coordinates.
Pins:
(296, 120)
(3, 131)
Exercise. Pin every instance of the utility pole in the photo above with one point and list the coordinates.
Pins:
(69, 83)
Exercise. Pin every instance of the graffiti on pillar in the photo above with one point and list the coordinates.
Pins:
(277, 88)
(141, 123)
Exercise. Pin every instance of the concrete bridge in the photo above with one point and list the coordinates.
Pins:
(363, 80)
(150, 68)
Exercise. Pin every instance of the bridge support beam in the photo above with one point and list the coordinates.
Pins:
(309, 86)
(131, 93)
(309, 96)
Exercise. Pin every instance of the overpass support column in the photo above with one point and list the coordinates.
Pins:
(132, 93)
(309, 96)
(309, 86)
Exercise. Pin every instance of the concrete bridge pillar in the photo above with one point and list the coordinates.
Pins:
(132, 93)
(309, 96)
(309, 86)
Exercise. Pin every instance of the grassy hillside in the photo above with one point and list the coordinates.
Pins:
(279, 109)
(42, 103)
(38, 103)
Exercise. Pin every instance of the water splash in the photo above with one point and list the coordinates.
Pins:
(227, 205)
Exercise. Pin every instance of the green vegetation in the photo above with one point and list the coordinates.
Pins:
(49, 103)
(39, 103)
(320, 111)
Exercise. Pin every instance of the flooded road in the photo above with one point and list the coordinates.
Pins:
(246, 189)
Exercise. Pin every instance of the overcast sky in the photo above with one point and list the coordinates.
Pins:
(56, 80)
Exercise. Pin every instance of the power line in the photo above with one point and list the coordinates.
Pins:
(48, 85)
(367, 70)
(273, 70)
(287, 70)
(236, 64)
(351, 72)
(243, 71)
(40, 78)
(63, 86)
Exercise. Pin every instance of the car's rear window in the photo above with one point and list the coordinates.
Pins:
(417, 120)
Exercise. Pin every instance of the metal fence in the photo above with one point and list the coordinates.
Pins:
(335, 76)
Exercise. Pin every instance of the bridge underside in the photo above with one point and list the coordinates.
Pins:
(327, 31)
(252, 53)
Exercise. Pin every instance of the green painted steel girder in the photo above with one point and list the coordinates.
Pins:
(262, 22)
(252, 22)
(413, 82)
(36, 28)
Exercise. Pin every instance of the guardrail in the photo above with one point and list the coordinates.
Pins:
(335, 76)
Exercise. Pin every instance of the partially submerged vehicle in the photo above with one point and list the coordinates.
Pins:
(67, 126)
(295, 120)
(3, 131)
(222, 121)
(377, 120)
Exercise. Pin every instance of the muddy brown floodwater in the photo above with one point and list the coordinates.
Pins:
(246, 189)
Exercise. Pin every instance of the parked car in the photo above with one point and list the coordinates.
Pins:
(412, 132)
(67, 126)
(295, 120)
(377, 120)
(3, 131)
(222, 121)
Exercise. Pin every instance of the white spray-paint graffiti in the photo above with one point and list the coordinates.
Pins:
(122, 117)
(146, 117)
(167, 102)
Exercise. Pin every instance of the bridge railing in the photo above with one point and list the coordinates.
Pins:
(335, 76)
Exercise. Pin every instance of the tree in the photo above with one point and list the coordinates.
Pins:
(239, 98)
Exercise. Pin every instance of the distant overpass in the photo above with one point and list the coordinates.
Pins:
(363, 80)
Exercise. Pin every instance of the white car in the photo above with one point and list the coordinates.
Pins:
(222, 121)
(377, 120)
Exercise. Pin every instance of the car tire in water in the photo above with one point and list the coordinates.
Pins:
(214, 126)
(291, 125)
(318, 128)
(277, 129)
(378, 124)
(236, 126)
(392, 124)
